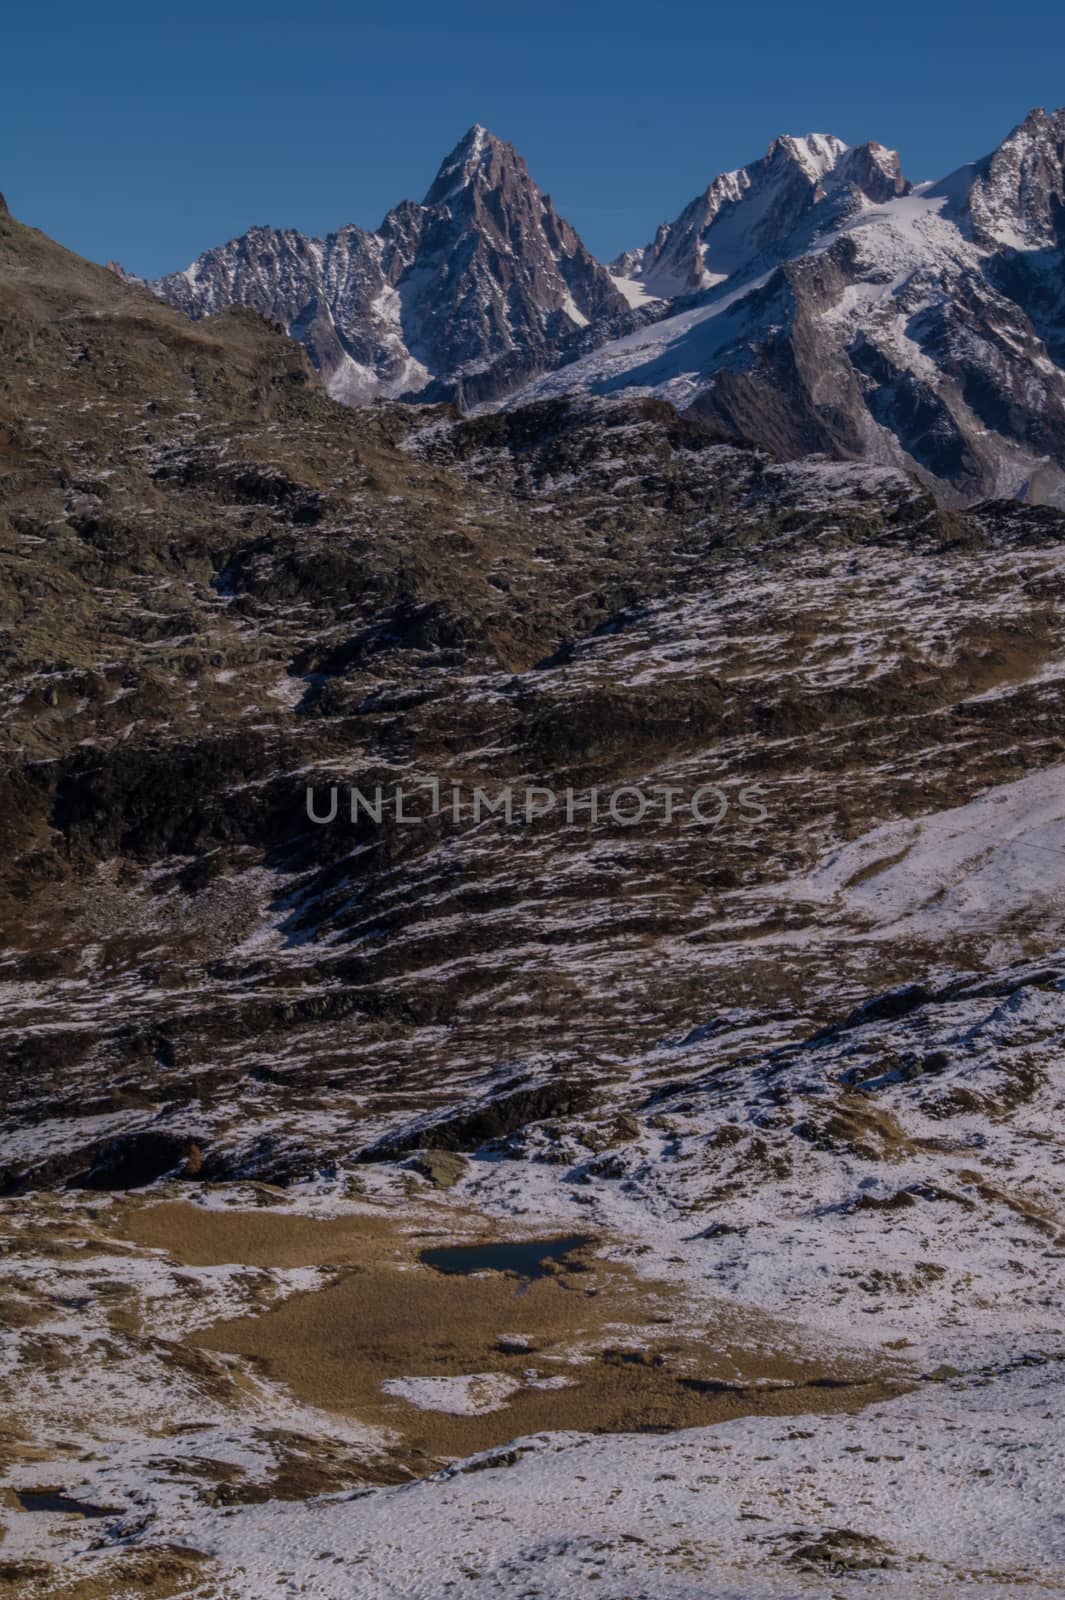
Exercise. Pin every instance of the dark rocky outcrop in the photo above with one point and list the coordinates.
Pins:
(469, 1127)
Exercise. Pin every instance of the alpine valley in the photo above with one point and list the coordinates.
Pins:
(588, 1197)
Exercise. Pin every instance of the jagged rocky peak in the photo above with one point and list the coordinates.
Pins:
(3, 207)
(874, 170)
(494, 282)
(828, 162)
(479, 161)
(1017, 199)
(816, 154)
(484, 182)
(810, 300)
(753, 212)
(469, 293)
(833, 306)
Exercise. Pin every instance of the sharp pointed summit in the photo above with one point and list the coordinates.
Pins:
(478, 158)
(1018, 198)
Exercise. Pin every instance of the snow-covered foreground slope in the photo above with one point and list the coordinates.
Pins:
(909, 1499)
(953, 1491)
(997, 860)
(775, 1226)
(892, 1189)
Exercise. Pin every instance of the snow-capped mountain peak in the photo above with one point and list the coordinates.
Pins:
(874, 170)
(825, 304)
(751, 213)
(816, 153)
(1017, 198)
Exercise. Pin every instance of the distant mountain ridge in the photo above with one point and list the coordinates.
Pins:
(825, 303)
(815, 300)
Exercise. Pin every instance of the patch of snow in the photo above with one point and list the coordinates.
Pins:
(468, 1396)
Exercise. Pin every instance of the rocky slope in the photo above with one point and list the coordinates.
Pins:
(791, 1079)
(464, 295)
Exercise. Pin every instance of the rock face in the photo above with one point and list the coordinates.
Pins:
(467, 294)
(442, 1168)
(1017, 198)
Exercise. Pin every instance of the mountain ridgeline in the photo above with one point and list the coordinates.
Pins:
(814, 301)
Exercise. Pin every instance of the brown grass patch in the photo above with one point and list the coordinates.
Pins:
(635, 1354)
(265, 1238)
(161, 1572)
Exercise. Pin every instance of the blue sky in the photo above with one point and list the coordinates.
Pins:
(147, 135)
